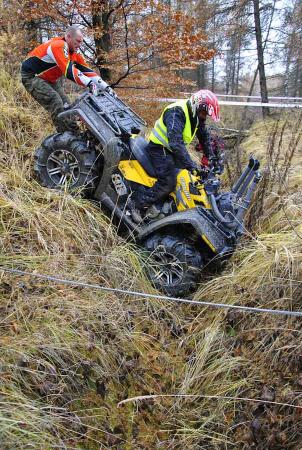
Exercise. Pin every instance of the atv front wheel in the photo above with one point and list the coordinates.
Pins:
(65, 160)
(174, 264)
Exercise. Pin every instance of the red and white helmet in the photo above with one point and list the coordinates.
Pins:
(207, 101)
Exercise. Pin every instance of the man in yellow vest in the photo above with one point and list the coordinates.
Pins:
(176, 127)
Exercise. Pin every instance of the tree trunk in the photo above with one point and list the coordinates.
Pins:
(213, 75)
(213, 59)
(202, 76)
(101, 29)
(233, 73)
(299, 75)
(296, 80)
(228, 72)
(238, 68)
(261, 68)
(286, 76)
(32, 27)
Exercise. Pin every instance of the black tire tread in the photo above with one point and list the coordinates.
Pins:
(89, 170)
(187, 254)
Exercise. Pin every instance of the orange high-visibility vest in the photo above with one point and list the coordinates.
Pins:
(54, 59)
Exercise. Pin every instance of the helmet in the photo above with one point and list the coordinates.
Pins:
(205, 100)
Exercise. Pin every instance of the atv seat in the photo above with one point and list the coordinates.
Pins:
(138, 149)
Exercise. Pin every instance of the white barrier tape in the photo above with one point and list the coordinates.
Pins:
(224, 102)
(259, 104)
(188, 94)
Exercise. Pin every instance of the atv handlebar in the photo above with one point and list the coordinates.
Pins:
(217, 163)
(201, 172)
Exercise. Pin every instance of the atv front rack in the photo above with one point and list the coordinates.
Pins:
(106, 116)
(241, 192)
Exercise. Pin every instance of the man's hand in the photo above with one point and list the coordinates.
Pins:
(216, 164)
(201, 172)
(103, 86)
(110, 91)
(100, 86)
(97, 85)
(93, 88)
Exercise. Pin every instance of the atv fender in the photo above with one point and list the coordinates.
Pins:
(215, 235)
(112, 155)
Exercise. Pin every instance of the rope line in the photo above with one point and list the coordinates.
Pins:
(217, 397)
(154, 296)
(224, 102)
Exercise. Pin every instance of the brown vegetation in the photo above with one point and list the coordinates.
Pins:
(70, 355)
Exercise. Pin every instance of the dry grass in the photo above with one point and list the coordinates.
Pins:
(266, 272)
(70, 355)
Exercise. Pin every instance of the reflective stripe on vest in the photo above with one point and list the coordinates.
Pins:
(159, 133)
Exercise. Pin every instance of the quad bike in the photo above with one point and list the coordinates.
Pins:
(108, 162)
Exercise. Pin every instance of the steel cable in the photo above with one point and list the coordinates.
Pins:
(249, 309)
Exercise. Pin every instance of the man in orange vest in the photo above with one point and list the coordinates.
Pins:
(47, 63)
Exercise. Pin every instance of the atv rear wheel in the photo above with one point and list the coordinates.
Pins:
(65, 160)
(174, 265)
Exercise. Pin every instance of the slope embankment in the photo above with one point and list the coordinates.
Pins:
(69, 355)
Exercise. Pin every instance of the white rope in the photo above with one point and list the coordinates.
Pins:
(223, 102)
(270, 105)
(187, 94)
(155, 296)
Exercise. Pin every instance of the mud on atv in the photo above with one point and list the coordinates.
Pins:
(109, 163)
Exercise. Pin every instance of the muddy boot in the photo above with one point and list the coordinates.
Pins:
(154, 213)
(136, 215)
(135, 212)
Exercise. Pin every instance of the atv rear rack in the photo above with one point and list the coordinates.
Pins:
(106, 116)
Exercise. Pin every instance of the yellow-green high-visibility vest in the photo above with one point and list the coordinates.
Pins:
(159, 133)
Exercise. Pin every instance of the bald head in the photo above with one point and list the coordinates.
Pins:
(74, 38)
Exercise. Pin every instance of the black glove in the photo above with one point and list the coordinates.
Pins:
(201, 172)
(196, 170)
(216, 164)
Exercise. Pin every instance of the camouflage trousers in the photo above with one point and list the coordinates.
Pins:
(52, 98)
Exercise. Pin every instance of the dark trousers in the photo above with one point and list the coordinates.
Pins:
(165, 170)
(52, 98)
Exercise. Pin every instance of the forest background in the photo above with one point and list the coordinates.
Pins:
(161, 48)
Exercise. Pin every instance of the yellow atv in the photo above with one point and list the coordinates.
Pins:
(198, 223)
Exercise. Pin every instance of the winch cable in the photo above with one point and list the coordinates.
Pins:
(75, 283)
